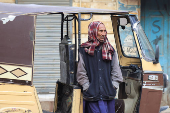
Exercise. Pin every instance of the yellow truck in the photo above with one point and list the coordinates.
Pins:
(143, 78)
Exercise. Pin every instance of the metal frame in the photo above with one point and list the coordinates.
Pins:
(127, 17)
(79, 29)
(79, 26)
(75, 19)
(62, 23)
(75, 30)
(67, 19)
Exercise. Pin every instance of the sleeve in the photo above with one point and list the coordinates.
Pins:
(82, 77)
(116, 74)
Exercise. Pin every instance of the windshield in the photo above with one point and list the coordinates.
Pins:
(127, 41)
(147, 50)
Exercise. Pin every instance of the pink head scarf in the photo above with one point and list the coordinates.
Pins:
(107, 49)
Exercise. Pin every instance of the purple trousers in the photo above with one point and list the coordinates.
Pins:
(100, 106)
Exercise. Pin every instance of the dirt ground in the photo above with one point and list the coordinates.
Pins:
(166, 111)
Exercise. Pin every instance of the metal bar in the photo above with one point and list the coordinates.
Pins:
(75, 31)
(88, 18)
(66, 18)
(67, 25)
(70, 29)
(121, 14)
(62, 22)
(79, 29)
(79, 26)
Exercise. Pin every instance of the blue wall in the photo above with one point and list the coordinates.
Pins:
(155, 21)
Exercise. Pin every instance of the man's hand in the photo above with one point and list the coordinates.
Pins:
(86, 86)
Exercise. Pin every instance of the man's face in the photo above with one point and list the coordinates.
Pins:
(101, 33)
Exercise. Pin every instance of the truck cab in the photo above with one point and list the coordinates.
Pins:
(143, 78)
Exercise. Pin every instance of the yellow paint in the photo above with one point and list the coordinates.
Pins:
(76, 100)
(8, 75)
(133, 13)
(37, 100)
(16, 110)
(123, 61)
(137, 43)
(149, 66)
(18, 72)
(19, 96)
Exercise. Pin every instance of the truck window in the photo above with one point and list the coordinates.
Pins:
(127, 41)
(147, 50)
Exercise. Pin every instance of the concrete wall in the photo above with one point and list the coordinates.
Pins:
(8, 1)
(132, 5)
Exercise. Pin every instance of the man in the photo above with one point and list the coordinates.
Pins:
(98, 71)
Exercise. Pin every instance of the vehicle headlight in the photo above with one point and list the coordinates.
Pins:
(166, 80)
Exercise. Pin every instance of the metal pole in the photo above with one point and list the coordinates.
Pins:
(75, 31)
(75, 64)
(67, 25)
(79, 29)
(62, 22)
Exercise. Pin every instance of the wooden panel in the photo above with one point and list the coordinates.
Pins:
(160, 79)
(151, 94)
(76, 101)
(13, 72)
(16, 50)
(150, 101)
(19, 98)
(16, 45)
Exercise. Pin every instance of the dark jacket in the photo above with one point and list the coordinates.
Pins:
(98, 75)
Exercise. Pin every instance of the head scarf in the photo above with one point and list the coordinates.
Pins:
(107, 49)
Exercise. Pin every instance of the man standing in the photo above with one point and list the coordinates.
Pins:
(98, 71)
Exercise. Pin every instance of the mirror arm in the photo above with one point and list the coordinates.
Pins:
(156, 55)
(86, 19)
(155, 61)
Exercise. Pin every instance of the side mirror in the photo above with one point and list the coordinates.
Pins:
(123, 21)
(156, 55)
(166, 79)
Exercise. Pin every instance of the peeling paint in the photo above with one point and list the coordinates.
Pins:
(122, 6)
